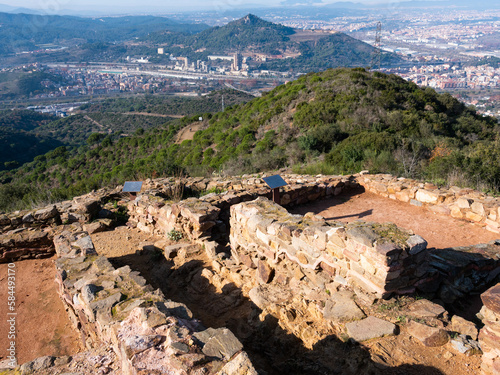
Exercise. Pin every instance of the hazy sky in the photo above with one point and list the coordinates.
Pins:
(54, 6)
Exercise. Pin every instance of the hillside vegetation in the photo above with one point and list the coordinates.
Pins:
(255, 35)
(337, 121)
(21, 32)
(27, 134)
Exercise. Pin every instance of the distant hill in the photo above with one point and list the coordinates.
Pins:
(336, 121)
(247, 32)
(26, 31)
(252, 34)
(19, 142)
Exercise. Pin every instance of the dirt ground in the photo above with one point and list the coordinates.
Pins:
(43, 327)
(187, 133)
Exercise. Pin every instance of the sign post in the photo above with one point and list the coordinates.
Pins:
(275, 182)
(132, 187)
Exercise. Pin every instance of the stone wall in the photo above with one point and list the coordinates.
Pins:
(489, 336)
(81, 209)
(207, 217)
(26, 243)
(456, 202)
(149, 333)
(378, 258)
(457, 272)
(381, 259)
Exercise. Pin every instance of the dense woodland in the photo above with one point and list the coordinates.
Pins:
(27, 134)
(337, 121)
(24, 32)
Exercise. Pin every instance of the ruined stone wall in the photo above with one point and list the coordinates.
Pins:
(380, 259)
(208, 216)
(149, 333)
(489, 336)
(456, 202)
(457, 272)
(81, 209)
(25, 244)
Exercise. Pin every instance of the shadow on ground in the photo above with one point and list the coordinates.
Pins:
(318, 206)
(272, 350)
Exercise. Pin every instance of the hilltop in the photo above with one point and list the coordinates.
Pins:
(337, 121)
(252, 35)
(249, 32)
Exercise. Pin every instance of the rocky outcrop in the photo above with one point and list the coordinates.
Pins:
(148, 333)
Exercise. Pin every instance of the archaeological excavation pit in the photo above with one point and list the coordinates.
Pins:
(41, 323)
(256, 269)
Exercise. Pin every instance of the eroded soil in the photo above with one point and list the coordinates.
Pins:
(43, 327)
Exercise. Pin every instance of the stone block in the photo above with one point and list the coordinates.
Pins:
(367, 285)
(427, 196)
(264, 272)
(464, 327)
(416, 244)
(426, 309)
(469, 215)
(362, 234)
(46, 213)
(464, 345)
(367, 264)
(428, 336)
(388, 250)
(463, 202)
(478, 208)
(369, 328)
(403, 196)
(456, 212)
(341, 307)
(351, 255)
(491, 299)
(239, 365)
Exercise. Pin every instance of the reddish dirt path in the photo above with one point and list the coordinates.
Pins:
(187, 133)
(43, 327)
(440, 231)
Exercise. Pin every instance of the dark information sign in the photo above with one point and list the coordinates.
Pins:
(132, 186)
(275, 181)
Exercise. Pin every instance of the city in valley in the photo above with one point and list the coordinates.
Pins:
(456, 50)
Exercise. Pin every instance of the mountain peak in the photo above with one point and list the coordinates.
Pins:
(251, 18)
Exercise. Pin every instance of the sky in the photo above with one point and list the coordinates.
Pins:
(55, 6)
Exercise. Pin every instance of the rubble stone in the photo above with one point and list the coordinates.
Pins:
(369, 328)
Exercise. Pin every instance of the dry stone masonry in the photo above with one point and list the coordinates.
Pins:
(148, 333)
(272, 252)
(456, 202)
(380, 259)
(489, 336)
